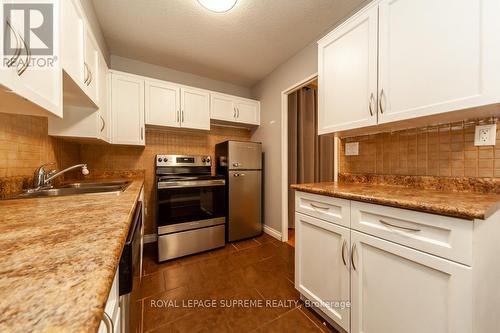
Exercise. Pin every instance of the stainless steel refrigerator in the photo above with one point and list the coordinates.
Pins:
(241, 163)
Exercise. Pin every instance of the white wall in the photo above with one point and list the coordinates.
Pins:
(168, 74)
(268, 91)
(89, 10)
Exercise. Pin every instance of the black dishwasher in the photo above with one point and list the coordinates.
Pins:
(130, 272)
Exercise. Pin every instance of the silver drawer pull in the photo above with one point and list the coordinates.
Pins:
(108, 323)
(319, 207)
(352, 256)
(343, 250)
(398, 226)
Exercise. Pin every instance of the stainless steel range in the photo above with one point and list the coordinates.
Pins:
(190, 206)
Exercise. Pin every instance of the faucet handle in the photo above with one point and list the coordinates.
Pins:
(39, 178)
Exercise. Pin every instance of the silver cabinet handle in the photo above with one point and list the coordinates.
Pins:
(91, 77)
(319, 207)
(352, 256)
(239, 175)
(86, 74)
(108, 323)
(370, 106)
(177, 117)
(182, 116)
(343, 250)
(237, 112)
(398, 226)
(103, 123)
(24, 66)
(142, 133)
(234, 112)
(13, 60)
(382, 96)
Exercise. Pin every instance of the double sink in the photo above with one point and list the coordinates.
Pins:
(113, 187)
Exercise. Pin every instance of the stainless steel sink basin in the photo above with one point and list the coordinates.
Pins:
(76, 189)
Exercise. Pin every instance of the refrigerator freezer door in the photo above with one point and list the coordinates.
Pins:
(244, 205)
(245, 156)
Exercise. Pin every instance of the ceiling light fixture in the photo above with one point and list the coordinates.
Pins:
(218, 6)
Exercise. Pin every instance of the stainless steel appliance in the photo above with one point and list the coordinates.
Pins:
(130, 272)
(190, 206)
(241, 165)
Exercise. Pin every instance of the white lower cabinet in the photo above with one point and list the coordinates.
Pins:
(394, 282)
(112, 309)
(396, 289)
(322, 265)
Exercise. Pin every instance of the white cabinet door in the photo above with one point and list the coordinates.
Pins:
(127, 107)
(91, 65)
(322, 266)
(222, 107)
(195, 108)
(437, 56)
(396, 289)
(347, 74)
(248, 112)
(37, 78)
(72, 41)
(104, 120)
(162, 104)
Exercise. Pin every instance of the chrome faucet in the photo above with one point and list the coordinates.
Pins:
(43, 178)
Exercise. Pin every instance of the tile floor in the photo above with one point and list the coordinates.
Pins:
(177, 296)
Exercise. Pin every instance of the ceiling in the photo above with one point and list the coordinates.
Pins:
(241, 46)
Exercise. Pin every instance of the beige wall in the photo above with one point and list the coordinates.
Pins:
(88, 7)
(168, 74)
(268, 91)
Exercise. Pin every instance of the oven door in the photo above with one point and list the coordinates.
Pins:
(188, 204)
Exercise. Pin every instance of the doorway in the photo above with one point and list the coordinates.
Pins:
(310, 156)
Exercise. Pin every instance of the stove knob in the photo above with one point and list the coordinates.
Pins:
(159, 159)
(208, 159)
(165, 160)
(203, 160)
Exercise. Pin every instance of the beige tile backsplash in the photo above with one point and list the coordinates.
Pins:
(445, 150)
(24, 145)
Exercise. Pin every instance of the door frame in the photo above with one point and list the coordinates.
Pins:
(284, 150)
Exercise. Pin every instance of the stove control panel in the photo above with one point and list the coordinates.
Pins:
(182, 160)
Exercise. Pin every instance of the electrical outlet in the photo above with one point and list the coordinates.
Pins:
(352, 149)
(485, 135)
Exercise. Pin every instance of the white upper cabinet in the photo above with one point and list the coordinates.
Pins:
(227, 108)
(347, 85)
(29, 87)
(432, 58)
(127, 109)
(437, 56)
(248, 112)
(91, 65)
(396, 289)
(163, 104)
(73, 40)
(195, 108)
(222, 107)
(104, 112)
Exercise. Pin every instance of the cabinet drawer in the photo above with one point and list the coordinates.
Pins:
(446, 237)
(323, 207)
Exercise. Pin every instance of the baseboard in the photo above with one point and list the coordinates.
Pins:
(272, 232)
(150, 238)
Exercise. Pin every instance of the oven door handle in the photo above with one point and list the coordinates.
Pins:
(187, 184)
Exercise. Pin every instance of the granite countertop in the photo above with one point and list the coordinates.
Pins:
(461, 204)
(58, 259)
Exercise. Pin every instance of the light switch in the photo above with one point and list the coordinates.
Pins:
(352, 149)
